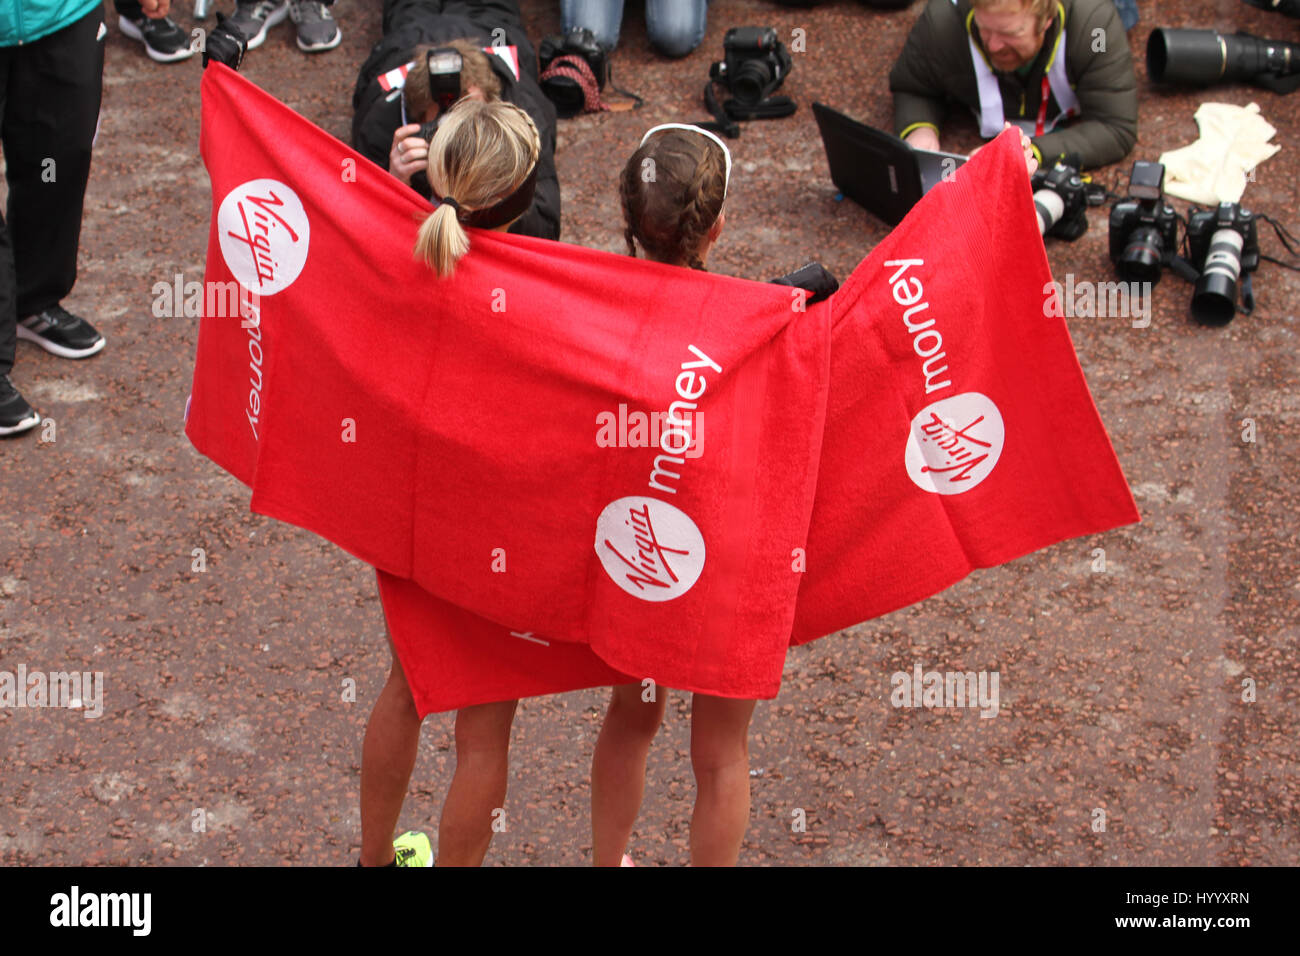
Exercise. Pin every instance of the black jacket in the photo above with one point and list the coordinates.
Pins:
(377, 115)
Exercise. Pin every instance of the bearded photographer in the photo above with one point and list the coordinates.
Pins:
(409, 81)
(1061, 70)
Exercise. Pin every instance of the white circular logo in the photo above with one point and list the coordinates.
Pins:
(650, 549)
(264, 235)
(954, 443)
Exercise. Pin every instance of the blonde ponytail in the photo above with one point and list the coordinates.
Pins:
(442, 240)
(480, 154)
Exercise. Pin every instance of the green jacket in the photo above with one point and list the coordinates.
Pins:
(22, 21)
(935, 69)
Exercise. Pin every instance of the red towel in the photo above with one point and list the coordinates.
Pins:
(841, 460)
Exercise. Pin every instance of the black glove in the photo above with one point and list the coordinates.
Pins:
(812, 278)
(225, 44)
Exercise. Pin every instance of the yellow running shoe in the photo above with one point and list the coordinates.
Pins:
(413, 849)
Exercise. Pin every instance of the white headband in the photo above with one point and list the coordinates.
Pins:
(703, 132)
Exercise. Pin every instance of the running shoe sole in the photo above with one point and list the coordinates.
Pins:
(25, 425)
(130, 29)
(321, 47)
(60, 350)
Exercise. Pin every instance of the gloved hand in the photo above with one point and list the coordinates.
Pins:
(225, 44)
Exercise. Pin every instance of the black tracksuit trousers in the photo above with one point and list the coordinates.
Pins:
(49, 108)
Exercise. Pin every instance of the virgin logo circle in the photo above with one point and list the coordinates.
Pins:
(650, 549)
(264, 235)
(954, 443)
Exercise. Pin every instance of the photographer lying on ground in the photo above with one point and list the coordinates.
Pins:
(1059, 69)
(442, 41)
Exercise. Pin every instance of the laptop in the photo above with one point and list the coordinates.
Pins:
(877, 170)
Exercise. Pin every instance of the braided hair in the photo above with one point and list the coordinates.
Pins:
(671, 192)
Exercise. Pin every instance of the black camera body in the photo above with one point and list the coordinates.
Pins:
(1143, 227)
(564, 91)
(1061, 200)
(1202, 224)
(1223, 243)
(754, 65)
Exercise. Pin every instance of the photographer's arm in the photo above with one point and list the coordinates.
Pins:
(1106, 129)
(917, 88)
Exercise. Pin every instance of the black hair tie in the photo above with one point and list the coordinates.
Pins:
(451, 202)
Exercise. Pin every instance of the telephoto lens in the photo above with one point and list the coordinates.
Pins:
(1214, 298)
(1206, 57)
(1050, 207)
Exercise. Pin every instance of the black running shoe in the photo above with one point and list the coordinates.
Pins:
(15, 414)
(163, 40)
(59, 331)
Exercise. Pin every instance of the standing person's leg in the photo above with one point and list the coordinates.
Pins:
(387, 759)
(8, 295)
(8, 278)
(16, 415)
(50, 115)
(604, 18)
(676, 27)
(478, 787)
(720, 759)
(618, 770)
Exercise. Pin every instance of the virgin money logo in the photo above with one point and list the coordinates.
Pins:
(650, 549)
(264, 235)
(954, 443)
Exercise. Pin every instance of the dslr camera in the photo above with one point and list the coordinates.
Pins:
(1143, 227)
(754, 65)
(1223, 244)
(1061, 199)
(445, 65)
(579, 44)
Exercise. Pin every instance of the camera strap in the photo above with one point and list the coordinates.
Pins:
(1184, 269)
(721, 124)
(1247, 295)
(726, 115)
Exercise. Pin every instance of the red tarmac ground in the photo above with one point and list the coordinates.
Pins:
(1121, 692)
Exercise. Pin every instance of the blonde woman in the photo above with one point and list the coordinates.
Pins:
(483, 171)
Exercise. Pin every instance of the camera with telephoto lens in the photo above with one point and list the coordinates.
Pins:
(754, 65)
(564, 91)
(1223, 244)
(1061, 200)
(1143, 227)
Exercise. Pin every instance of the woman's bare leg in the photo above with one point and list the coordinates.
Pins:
(720, 759)
(618, 770)
(479, 785)
(387, 759)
